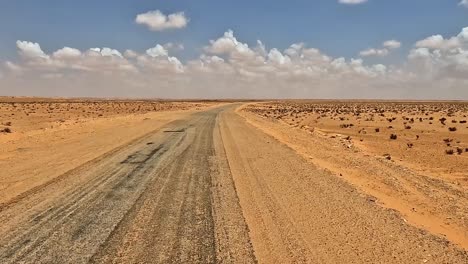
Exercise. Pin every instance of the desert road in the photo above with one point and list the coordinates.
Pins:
(208, 188)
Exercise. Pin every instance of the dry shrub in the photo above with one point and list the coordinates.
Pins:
(6, 130)
(442, 120)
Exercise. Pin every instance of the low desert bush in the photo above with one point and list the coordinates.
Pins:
(6, 130)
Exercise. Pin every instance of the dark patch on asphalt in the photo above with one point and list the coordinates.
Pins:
(141, 157)
(175, 130)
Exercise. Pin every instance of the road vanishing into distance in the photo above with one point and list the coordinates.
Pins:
(210, 188)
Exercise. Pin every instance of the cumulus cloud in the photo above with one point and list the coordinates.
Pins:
(374, 52)
(275, 56)
(439, 42)
(228, 67)
(228, 44)
(352, 2)
(392, 44)
(440, 57)
(157, 51)
(67, 53)
(157, 21)
(109, 52)
(381, 52)
(130, 54)
(30, 50)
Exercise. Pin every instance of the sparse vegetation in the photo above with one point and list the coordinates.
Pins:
(426, 123)
(6, 130)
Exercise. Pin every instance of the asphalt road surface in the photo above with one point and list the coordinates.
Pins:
(208, 189)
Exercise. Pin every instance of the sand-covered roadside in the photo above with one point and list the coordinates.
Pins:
(48, 137)
(415, 174)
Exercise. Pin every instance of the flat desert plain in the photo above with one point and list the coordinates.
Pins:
(412, 156)
(152, 181)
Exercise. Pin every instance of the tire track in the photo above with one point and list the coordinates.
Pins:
(147, 202)
(173, 221)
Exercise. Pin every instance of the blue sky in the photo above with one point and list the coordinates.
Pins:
(309, 49)
(338, 29)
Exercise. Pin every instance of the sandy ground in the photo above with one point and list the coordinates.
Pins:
(412, 173)
(50, 137)
(212, 185)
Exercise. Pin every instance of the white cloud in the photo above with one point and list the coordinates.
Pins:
(438, 42)
(104, 52)
(228, 44)
(157, 51)
(30, 50)
(67, 53)
(392, 44)
(130, 54)
(228, 67)
(382, 52)
(352, 2)
(374, 52)
(437, 57)
(464, 3)
(110, 52)
(276, 56)
(157, 21)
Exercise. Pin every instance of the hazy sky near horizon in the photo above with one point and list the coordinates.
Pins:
(414, 49)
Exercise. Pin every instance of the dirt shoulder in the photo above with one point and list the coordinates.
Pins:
(59, 137)
(299, 213)
(435, 202)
